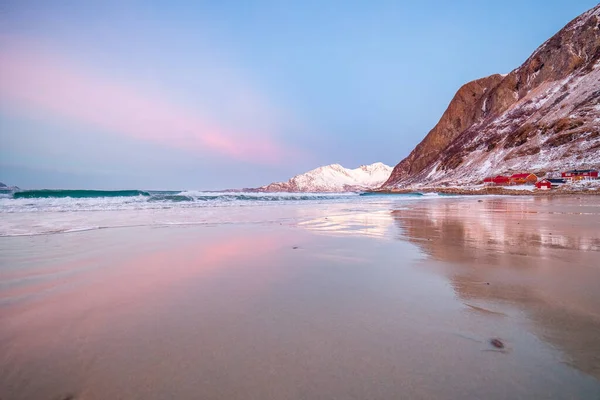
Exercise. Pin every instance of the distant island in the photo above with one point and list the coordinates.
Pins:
(4, 187)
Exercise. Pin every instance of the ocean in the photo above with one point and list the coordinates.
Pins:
(50, 211)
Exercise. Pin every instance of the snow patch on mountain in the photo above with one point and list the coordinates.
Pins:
(334, 178)
(543, 117)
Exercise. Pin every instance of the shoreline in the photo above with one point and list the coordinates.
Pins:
(491, 191)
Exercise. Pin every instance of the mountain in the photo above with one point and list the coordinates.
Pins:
(4, 188)
(544, 116)
(334, 178)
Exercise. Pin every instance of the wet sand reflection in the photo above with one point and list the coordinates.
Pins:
(537, 255)
(57, 319)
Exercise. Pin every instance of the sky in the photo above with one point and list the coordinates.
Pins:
(173, 95)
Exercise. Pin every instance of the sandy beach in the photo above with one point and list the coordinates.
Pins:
(396, 299)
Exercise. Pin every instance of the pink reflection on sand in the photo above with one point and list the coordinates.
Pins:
(91, 301)
(33, 78)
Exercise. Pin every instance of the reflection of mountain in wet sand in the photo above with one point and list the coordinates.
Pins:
(499, 226)
(538, 255)
(352, 222)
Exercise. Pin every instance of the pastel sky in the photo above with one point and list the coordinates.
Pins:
(176, 95)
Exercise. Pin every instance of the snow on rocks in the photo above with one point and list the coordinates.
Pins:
(334, 178)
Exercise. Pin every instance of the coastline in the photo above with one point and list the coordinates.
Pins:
(491, 191)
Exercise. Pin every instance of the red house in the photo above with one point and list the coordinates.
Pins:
(544, 184)
(580, 174)
(523, 179)
(501, 180)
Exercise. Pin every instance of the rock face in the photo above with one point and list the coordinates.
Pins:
(334, 178)
(543, 116)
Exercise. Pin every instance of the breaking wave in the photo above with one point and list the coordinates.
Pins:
(47, 212)
(98, 200)
(243, 196)
(76, 194)
(392, 194)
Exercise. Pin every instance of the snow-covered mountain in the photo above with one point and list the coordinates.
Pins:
(542, 117)
(6, 188)
(334, 178)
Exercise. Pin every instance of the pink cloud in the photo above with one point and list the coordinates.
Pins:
(35, 79)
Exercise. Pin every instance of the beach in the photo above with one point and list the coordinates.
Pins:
(374, 297)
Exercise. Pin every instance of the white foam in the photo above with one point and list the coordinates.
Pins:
(25, 217)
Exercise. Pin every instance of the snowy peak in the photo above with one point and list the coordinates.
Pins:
(334, 178)
(378, 166)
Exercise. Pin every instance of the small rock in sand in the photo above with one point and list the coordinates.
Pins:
(497, 343)
(69, 396)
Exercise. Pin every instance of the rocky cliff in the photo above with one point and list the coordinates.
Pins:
(541, 117)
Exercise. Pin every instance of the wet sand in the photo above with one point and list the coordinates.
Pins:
(396, 302)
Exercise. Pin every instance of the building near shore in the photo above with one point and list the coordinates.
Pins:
(497, 180)
(523, 179)
(580, 174)
(549, 183)
(544, 184)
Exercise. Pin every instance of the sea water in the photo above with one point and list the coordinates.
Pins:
(35, 212)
